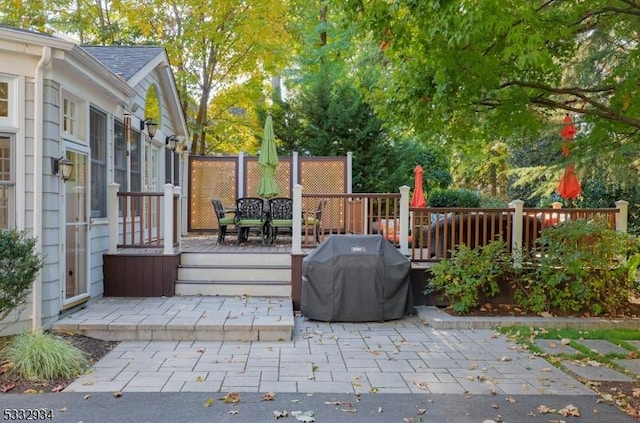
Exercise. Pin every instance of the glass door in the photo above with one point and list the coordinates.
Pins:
(76, 225)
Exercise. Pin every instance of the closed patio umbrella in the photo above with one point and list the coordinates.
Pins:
(569, 186)
(268, 160)
(418, 200)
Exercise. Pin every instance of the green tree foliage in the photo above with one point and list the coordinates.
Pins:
(492, 69)
(328, 115)
(19, 265)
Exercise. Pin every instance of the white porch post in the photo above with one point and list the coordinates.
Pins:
(168, 219)
(178, 191)
(240, 186)
(295, 165)
(622, 215)
(404, 220)
(516, 236)
(349, 172)
(296, 236)
(112, 216)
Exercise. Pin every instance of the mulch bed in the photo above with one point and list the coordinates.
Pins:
(94, 349)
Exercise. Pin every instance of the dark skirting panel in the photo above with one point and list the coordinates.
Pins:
(138, 275)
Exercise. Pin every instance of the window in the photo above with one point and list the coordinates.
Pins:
(8, 100)
(69, 116)
(73, 116)
(4, 99)
(120, 156)
(136, 171)
(98, 141)
(151, 167)
(171, 167)
(7, 185)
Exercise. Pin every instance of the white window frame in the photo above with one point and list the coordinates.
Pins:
(10, 185)
(10, 121)
(77, 118)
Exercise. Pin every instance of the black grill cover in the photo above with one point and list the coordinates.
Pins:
(356, 278)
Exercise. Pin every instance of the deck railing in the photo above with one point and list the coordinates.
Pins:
(429, 234)
(144, 219)
(323, 215)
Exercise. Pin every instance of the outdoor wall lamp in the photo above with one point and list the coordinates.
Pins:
(151, 125)
(62, 167)
(171, 142)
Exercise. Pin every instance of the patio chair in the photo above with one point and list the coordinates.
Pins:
(250, 213)
(280, 215)
(314, 219)
(223, 220)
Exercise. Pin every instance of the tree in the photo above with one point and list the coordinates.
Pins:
(500, 69)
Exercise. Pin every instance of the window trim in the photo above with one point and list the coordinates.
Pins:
(10, 121)
(78, 133)
(10, 183)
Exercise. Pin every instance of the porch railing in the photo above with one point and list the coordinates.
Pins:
(428, 234)
(144, 219)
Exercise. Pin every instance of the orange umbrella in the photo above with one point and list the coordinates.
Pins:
(569, 186)
(418, 200)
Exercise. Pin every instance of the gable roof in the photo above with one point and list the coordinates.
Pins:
(125, 61)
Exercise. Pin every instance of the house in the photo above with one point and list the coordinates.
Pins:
(95, 108)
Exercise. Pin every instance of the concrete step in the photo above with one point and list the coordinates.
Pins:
(234, 288)
(248, 272)
(234, 273)
(183, 318)
(235, 259)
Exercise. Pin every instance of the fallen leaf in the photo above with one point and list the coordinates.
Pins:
(7, 387)
(209, 402)
(421, 384)
(278, 414)
(421, 411)
(199, 379)
(565, 341)
(512, 400)
(495, 406)
(117, 394)
(505, 358)
(569, 410)
(633, 355)
(552, 345)
(62, 410)
(543, 409)
(373, 390)
(57, 388)
(87, 396)
(269, 396)
(379, 409)
(408, 420)
(304, 416)
(635, 392)
(232, 412)
(231, 398)
(200, 350)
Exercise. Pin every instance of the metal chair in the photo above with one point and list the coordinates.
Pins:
(250, 213)
(280, 215)
(223, 220)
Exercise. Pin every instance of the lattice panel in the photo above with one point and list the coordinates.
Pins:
(325, 175)
(210, 177)
(217, 177)
(254, 175)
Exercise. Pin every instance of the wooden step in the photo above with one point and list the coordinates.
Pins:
(239, 273)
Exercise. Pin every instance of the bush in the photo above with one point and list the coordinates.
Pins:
(583, 268)
(19, 265)
(470, 273)
(454, 198)
(40, 356)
